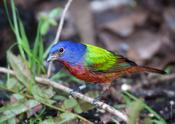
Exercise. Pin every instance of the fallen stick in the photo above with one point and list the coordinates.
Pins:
(88, 99)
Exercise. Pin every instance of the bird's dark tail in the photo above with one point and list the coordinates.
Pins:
(135, 69)
(150, 69)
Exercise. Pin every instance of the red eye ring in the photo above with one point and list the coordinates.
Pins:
(61, 50)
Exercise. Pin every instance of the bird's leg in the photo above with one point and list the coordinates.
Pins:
(105, 90)
(78, 89)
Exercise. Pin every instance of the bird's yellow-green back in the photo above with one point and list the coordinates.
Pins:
(100, 60)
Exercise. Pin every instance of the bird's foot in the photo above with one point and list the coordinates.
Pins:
(94, 102)
(104, 94)
(80, 88)
(98, 98)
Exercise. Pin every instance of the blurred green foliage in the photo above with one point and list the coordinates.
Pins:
(28, 64)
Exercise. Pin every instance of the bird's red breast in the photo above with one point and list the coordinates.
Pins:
(84, 74)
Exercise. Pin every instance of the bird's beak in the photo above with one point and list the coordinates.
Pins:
(52, 58)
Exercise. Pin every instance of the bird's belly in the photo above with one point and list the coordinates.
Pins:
(92, 78)
(86, 75)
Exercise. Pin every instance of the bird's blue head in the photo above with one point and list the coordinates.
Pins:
(67, 51)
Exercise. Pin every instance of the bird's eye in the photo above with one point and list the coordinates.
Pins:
(61, 50)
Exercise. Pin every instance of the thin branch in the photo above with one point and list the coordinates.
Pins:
(164, 78)
(155, 81)
(88, 99)
(49, 69)
(62, 21)
(60, 27)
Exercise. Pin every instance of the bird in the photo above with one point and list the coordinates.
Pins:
(94, 64)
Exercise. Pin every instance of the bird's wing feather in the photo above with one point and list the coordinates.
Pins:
(101, 60)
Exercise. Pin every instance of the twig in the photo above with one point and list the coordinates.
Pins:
(154, 81)
(62, 21)
(99, 104)
(164, 78)
(49, 69)
(60, 27)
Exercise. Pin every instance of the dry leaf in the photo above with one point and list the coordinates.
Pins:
(124, 26)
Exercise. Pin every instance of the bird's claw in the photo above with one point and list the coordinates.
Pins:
(71, 93)
(94, 102)
(77, 90)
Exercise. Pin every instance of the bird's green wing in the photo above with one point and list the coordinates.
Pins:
(100, 60)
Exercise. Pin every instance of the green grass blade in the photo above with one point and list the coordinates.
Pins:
(8, 16)
(16, 29)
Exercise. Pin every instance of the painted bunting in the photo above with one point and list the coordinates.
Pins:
(94, 64)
